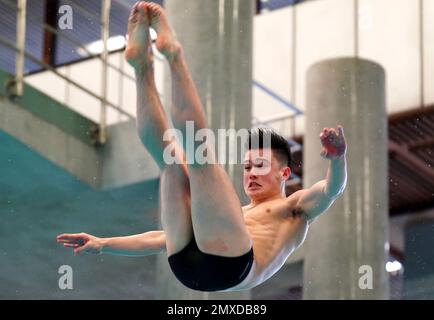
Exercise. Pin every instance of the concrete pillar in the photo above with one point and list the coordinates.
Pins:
(217, 41)
(351, 238)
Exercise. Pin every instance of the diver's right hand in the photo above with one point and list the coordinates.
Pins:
(81, 242)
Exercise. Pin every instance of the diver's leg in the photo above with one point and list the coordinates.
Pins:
(152, 123)
(217, 217)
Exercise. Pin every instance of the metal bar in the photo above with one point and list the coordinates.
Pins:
(277, 97)
(356, 28)
(105, 30)
(120, 87)
(21, 45)
(52, 69)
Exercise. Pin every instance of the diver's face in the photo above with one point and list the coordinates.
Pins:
(263, 173)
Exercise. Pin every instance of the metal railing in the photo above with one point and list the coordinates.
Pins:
(282, 121)
(17, 84)
(48, 67)
(21, 42)
(105, 16)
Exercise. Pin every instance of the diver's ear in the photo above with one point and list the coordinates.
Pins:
(286, 173)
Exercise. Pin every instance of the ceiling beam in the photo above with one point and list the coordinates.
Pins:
(421, 143)
(417, 164)
(411, 114)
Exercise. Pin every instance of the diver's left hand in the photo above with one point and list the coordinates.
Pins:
(334, 144)
(81, 242)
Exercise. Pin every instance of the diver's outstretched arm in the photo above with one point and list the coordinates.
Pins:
(144, 244)
(317, 199)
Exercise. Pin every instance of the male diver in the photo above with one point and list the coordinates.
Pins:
(212, 242)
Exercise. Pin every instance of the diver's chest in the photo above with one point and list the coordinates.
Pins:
(272, 214)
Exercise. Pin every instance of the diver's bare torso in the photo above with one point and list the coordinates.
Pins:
(277, 228)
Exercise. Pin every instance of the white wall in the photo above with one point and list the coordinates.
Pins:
(392, 40)
(272, 68)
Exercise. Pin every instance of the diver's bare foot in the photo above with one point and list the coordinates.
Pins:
(166, 42)
(138, 52)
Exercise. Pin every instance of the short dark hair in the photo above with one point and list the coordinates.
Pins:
(279, 145)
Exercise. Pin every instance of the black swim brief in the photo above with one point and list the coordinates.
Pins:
(207, 272)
